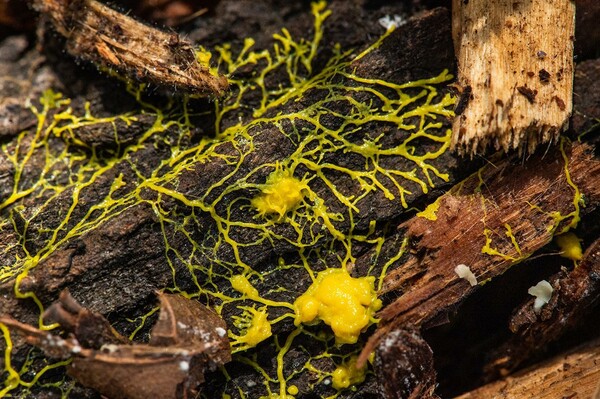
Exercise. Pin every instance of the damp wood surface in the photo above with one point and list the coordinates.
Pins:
(515, 69)
(575, 295)
(573, 375)
(115, 268)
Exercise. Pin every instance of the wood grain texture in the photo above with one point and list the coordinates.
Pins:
(576, 293)
(516, 58)
(573, 375)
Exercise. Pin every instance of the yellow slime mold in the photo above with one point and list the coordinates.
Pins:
(345, 303)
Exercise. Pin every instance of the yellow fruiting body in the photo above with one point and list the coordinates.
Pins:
(347, 374)
(281, 193)
(570, 246)
(344, 303)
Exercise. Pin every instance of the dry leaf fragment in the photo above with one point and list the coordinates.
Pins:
(91, 329)
(187, 340)
(110, 39)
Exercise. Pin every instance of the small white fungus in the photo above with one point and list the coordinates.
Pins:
(110, 348)
(181, 326)
(391, 22)
(250, 383)
(76, 349)
(463, 271)
(184, 366)
(542, 292)
(220, 331)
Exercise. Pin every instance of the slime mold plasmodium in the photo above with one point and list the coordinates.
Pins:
(558, 224)
(348, 374)
(281, 193)
(570, 246)
(254, 326)
(346, 304)
(266, 241)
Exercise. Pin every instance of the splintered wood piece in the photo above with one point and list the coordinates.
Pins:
(573, 375)
(489, 222)
(515, 71)
(110, 39)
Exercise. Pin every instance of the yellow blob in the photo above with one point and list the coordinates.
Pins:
(255, 325)
(203, 56)
(281, 193)
(241, 284)
(292, 390)
(431, 211)
(347, 374)
(570, 246)
(346, 304)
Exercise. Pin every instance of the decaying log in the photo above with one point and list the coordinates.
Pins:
(515, 69)
(119, 279)
(573, 375)
(575, 294)
(489, 222)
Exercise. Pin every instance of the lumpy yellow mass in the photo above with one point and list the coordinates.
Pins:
(256, 328)
(347, 374)
(344, 303)
(282, 193)
(570, 246)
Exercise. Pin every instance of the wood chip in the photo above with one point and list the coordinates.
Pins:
(507, 51)
(573, 375)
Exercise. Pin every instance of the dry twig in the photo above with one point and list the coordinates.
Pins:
(112, 40)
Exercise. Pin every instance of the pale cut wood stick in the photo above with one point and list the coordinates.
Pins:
(515, 72)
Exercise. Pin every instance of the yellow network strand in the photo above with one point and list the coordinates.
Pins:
(307, 200)
(13, 380)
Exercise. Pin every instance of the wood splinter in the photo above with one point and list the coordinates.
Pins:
(112, 40)
(515, 68)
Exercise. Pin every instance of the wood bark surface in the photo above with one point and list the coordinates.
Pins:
(575, 294)
(572, 375)
(515, 68)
